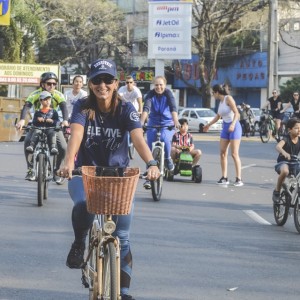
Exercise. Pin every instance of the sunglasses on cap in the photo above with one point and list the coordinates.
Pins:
(50, 83)
(48, 98)
(106, 80)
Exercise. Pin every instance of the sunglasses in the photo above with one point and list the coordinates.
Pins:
(51, 83)
(296, 95)
(129, 82)
(45, 99)
(106, 80)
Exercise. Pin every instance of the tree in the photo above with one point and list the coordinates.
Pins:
(214, 23)
(289, 87)
(25, 31)
(88, 32)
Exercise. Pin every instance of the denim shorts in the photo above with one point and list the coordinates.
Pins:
(293, 168)
(236, 134)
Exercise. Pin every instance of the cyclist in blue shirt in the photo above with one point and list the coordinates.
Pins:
(160, 109)
(100, 124)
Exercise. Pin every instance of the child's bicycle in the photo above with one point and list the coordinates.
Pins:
(289, 196)
(183, 166)
(109, 192)
(158, 153)
(41, 161)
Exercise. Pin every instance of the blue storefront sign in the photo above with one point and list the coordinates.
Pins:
(249, 71)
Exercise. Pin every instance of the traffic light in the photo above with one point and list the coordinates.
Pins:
(5, 12)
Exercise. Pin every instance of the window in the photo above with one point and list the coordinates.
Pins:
(296, 26)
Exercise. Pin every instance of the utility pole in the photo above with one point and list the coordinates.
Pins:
(273, 46)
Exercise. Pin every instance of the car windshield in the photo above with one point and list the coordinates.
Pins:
(257, 112)
(206, 113)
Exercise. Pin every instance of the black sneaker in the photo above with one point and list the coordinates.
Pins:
(147, 185)
(276, 197)
(30, 175)
(30, 149)
(223, 181)
(238, 182)
(53, 151)
(127, 297)
(75, 256)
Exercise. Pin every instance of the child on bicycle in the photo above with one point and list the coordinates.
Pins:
(287, 147)
(44, 117)
(182, 139)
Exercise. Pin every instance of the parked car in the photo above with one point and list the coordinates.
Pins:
(257, 113)
(180, 109)
(199, 117)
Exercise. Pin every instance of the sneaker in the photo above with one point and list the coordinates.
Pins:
(169, 164)
(276, 197)
(75, 256)
(223, 181)
(30, 149)
(127, 297)
(147, 185)
(238, 182)
(30, 175)
(53, 150)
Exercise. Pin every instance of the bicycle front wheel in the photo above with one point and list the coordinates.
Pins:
(281, 210)
(297, 215)
(110, 273)
(41, 178)
(131, 151)
(264, 132)
(156, 186)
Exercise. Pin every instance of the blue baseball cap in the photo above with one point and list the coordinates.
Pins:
(103, 66)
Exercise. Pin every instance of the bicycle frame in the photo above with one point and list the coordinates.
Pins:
(96, 266)
(289, 198)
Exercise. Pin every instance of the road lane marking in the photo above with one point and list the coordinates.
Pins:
(248, 166)
(254, 216)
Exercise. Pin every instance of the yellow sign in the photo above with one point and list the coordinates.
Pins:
(5, 12)
(24, 73)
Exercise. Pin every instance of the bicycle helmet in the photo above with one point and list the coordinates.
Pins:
(48, 75)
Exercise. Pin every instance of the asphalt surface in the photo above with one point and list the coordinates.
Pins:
(201, 241)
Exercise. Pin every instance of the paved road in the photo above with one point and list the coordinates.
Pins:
(198, 242)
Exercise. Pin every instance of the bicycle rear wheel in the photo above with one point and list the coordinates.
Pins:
(131, 151)
(91, 269)
(297, 215)
(264, 132)
(110, 273)
(41, 178)
(281, 210)
(156, 186)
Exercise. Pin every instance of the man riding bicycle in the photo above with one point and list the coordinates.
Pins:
(48, 82)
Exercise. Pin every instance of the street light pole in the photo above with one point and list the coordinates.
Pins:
(273, 46)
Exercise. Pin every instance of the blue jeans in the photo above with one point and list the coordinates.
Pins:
(82, 221)
(166, 137)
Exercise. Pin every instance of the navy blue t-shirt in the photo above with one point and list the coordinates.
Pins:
(105, 140)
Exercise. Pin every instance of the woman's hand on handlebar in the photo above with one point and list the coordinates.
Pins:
(65, 172)
(153, 173)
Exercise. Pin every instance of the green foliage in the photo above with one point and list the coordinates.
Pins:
(25, 32)
(288, 88)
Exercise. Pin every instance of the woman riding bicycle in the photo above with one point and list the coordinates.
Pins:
(100, 124)
(161, 107)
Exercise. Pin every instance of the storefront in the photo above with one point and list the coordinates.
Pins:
(246, 76)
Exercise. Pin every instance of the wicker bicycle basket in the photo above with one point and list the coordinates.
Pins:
(109, 195)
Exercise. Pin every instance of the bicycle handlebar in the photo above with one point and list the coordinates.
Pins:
(158, 127)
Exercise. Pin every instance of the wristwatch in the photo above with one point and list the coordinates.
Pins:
(152, 163)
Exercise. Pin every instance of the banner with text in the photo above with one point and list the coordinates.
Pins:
(169, 29)
(24, 73)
